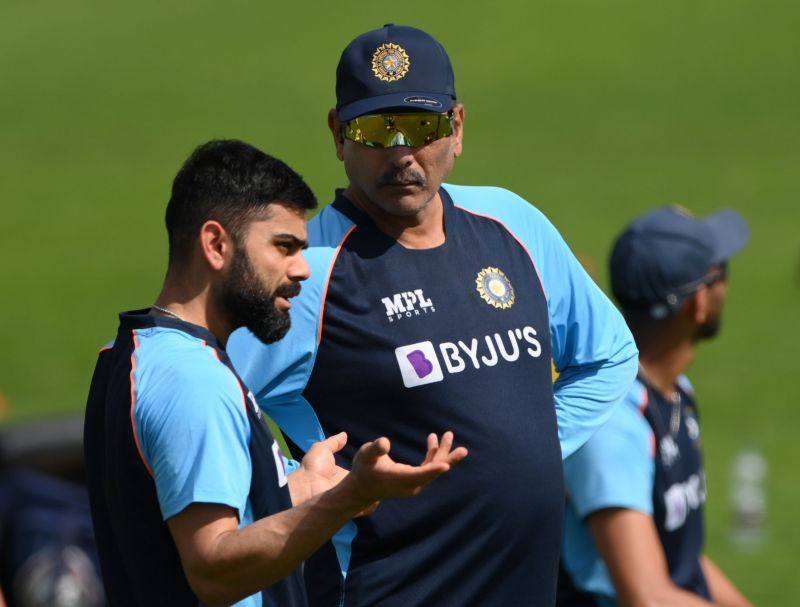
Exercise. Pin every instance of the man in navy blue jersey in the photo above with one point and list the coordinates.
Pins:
(428, 305)
(634, 522)
(190, 498)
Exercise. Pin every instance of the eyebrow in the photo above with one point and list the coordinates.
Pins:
(285, 238)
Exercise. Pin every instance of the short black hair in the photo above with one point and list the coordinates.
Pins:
(231, 182)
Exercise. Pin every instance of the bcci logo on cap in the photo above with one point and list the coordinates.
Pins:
(390, 62)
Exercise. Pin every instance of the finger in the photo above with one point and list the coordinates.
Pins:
(376, 448)
(336, 442)
(456, 455)
(411, 476)
(444, 447)
(426, 474)
(433, 446)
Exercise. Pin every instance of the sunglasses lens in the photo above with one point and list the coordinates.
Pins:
(388, 130)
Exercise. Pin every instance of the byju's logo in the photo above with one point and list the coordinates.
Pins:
(407, 304)
(418, 364)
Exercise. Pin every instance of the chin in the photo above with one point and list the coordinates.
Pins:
(272, 331)
(406, 205)
(708, 331)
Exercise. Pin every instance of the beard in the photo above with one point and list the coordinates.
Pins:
(708, 329)
(248, 303)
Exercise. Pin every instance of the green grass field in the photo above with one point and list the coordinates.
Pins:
(593, 111)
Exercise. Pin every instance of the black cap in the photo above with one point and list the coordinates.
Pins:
(664, 255)
(394, 67)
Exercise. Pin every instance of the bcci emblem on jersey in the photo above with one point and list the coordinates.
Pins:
(390, 62)
(495, 288)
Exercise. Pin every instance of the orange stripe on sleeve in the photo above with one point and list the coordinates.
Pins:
(645, 402)
(328, 281)
(133, 403)
(642, 409)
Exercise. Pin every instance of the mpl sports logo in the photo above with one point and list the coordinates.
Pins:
(407, 304)
(420, 364)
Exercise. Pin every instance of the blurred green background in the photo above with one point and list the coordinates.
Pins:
(594, 111)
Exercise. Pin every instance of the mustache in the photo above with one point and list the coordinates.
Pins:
(288, 290)
(403, 177)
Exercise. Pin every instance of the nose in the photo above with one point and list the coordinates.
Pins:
(400, 155)
(299, 268)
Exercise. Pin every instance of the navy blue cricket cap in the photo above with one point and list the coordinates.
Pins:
(663, 256)
(394, 67)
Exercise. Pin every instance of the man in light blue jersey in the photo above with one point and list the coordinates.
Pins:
(431, 304)
(634, 528)
(190, 499)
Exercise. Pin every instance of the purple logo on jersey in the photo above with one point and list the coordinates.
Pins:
(422, 366)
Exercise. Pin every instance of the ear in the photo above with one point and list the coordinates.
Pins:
(335, 125)
(459, 114)
(698, 305)
(216, 244)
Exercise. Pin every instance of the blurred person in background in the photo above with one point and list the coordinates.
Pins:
(48, 556)
(634, 529)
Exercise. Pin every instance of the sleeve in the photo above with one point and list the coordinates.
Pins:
(195, 435)
(615, 467)
(277, 373)
(593, 349)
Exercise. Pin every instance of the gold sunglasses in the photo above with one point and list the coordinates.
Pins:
(389, 130)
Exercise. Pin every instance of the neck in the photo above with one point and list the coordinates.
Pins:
(192, 303)
(420, 229)
(662, 367)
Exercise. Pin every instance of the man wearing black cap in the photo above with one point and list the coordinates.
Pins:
(634, 523)
(435, 305)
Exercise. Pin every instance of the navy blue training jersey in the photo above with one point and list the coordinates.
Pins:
(400, 342)
(679, 487)
(646, 458)
(168, 424)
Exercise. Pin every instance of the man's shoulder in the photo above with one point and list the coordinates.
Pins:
(484, 196)
(500, 204)
(171, 360)
(327, 229)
